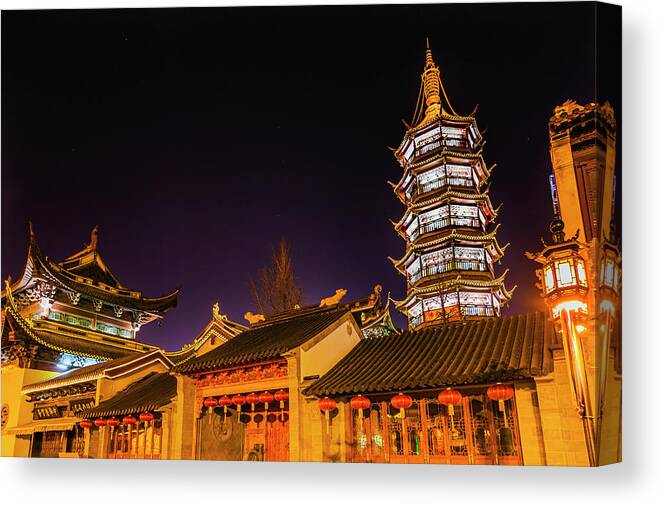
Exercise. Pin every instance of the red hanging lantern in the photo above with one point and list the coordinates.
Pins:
(401, 401)
(86, 424)
(224, 402)
(360, 403)
(327, 405)
(100, 422)
(266, 397)
(129, 420)
(112, 422)
(252, 399)
(450, 398)
(146, 417)
(500, 393)
(239, 400)
(210, 403)
(281, 396)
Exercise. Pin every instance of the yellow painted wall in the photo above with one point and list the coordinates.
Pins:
(20, 411)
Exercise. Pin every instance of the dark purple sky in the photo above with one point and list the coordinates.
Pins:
(196, 138)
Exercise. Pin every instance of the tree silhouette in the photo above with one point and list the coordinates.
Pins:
(275, 289)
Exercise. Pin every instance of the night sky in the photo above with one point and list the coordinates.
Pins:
(197, 138)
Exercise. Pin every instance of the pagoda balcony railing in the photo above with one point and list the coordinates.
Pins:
(451, 314)
(447, 142)
(435, 184)
(432, 226)
(477, 311)
(453, 265)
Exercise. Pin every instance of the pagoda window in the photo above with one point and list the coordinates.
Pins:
(471, 259)
(414, 271)
(415, 314)
(454, 137)
(476, 304)
(459, 175)
(412, 230)
(408, 152)
(464, 216)
(428, 137)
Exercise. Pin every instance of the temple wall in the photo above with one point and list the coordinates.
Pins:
(310, 442)
(530, 425)
(184, 418)
(564, 437)
(19, 410)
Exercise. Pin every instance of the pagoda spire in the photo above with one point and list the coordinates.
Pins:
(431, 85)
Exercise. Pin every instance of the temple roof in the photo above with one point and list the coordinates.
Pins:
(63, 338)
(85, 272)
(265, 342)
(148, 394)
(110, 369)
(496, 349)
(220, 326)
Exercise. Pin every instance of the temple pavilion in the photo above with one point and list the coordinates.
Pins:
(60, 316)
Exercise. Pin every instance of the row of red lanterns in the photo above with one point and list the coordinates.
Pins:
(239, 400)
(448, 397)
(114, 422)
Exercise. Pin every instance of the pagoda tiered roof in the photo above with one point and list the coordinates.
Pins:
(458, 281)
(62, 338)
(84, 273)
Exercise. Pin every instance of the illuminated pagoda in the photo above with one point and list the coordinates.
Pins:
(73, 313)
(451, 246)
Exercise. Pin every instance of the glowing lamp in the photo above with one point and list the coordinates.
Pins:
(449, 398)
(112, 422)
(86, 424)
(129, 420)
(266, 397)
(281, 396)
(224, 402)
(359, 402)
(239, 400)
(500, 393)
(327, 405)
(210, 403)
(401, 401)
(252, 399)
(146, 417)
(100, 422)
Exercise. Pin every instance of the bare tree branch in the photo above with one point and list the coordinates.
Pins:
(276, 289)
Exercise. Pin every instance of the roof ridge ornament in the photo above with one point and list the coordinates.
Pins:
(94, 239)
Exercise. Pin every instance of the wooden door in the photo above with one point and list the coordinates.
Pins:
(277, 437)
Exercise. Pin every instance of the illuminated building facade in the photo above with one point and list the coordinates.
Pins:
(61, 316)
(580, 277)
(451, 246)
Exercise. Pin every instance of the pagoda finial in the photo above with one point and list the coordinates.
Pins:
(94, 238)
(431, 83)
